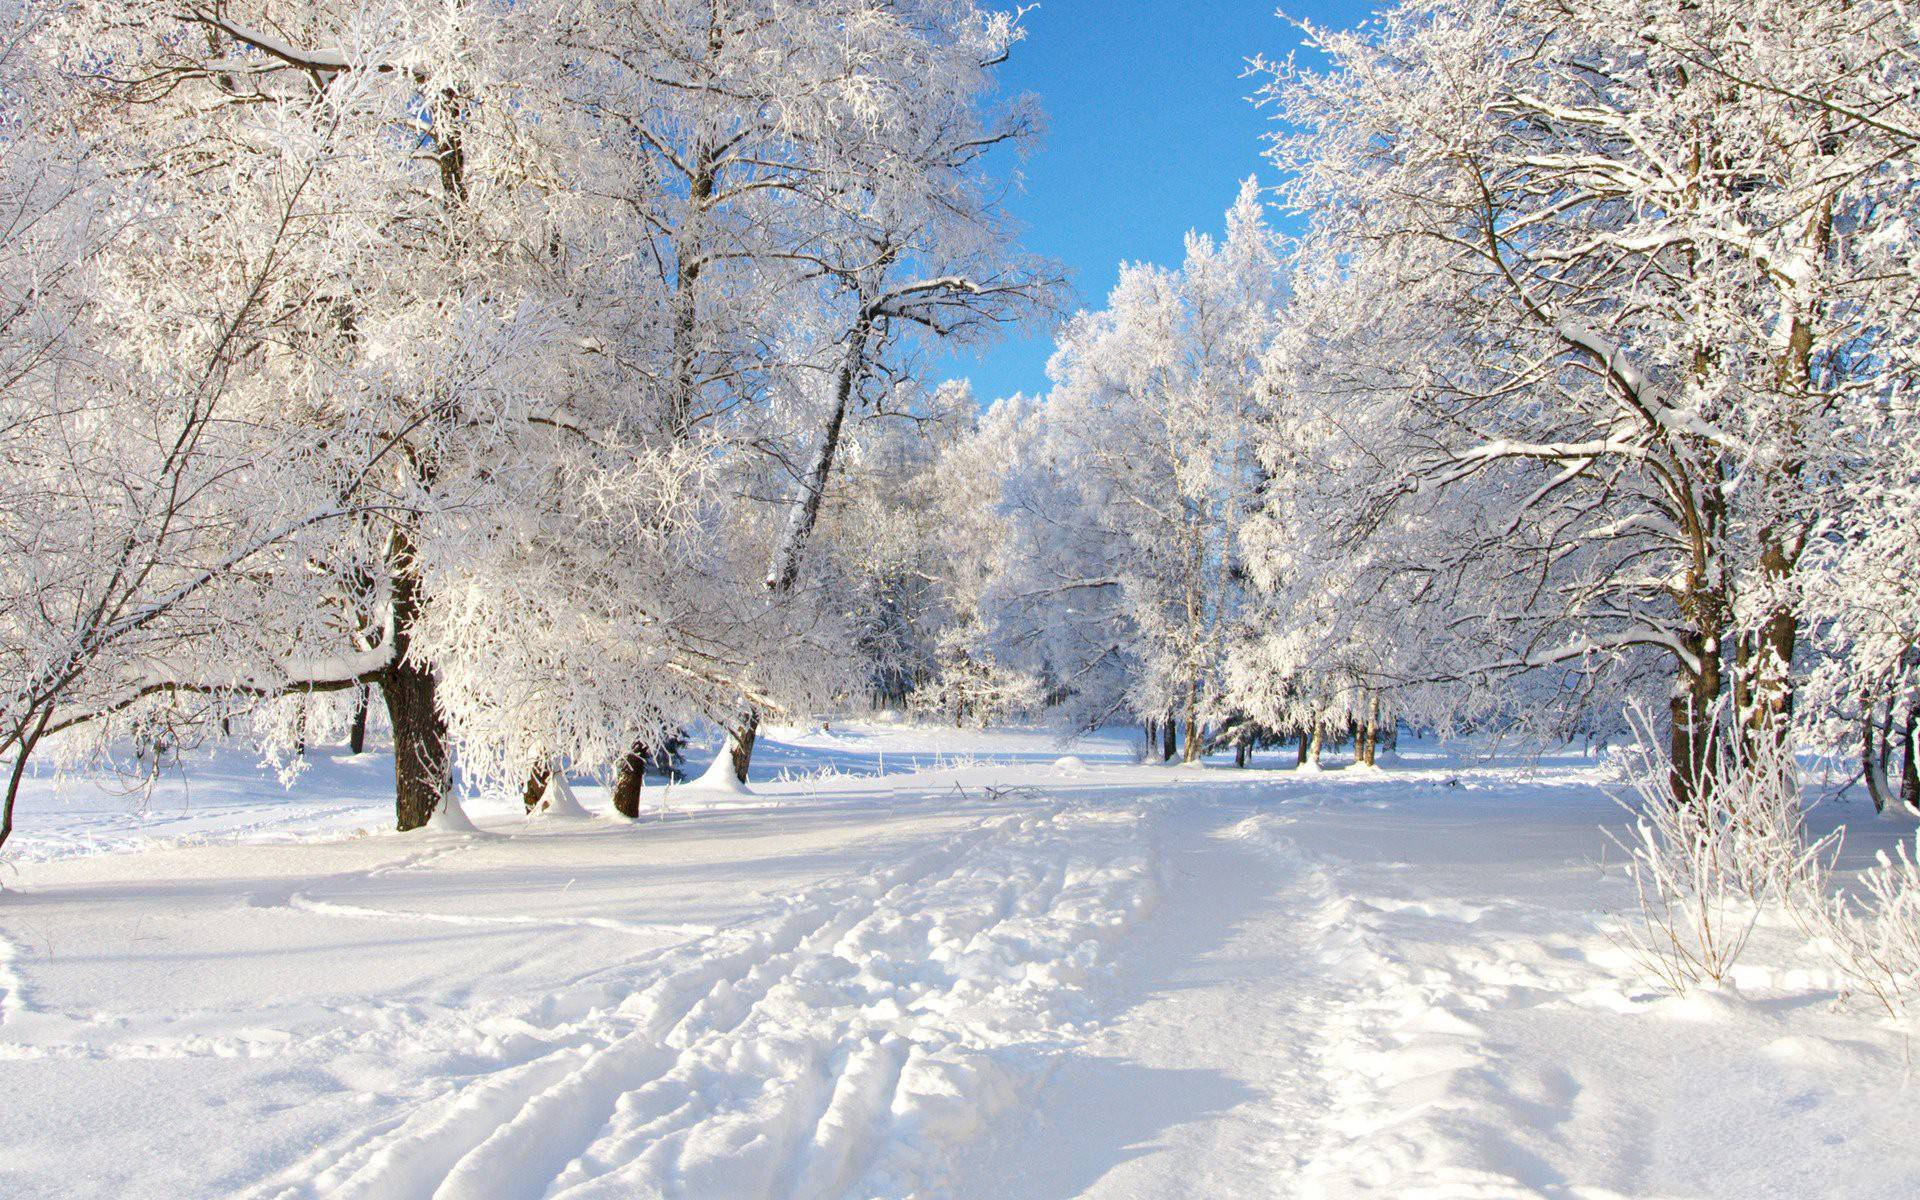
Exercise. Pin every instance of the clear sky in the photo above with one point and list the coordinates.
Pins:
(1149, 133)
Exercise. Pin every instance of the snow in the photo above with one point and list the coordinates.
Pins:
(559, 803)
(911, 962)
(451, 817)
(719, 778)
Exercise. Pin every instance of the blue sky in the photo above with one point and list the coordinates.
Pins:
(1149, 134)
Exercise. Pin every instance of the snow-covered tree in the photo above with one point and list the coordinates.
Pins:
(1654, 296)
(1132, 502)
(546, 302)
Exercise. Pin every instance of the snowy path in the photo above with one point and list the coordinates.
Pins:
(1374, 987)
(1208, 1083)
(986, 977)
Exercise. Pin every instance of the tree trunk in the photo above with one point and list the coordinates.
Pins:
(1873, 770)
(1313, 752)
(422, 768)
(1169, 735)
(1300, 755)
(784, 568)
(23, 750)
(6, 810)
(1764, 689)
(536, 785)
(1240, 754)
(1692, 742)
(357, 732)
(628, 779)
(1909, 768)
(740, 743)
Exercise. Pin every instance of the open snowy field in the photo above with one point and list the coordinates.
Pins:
(913, 963)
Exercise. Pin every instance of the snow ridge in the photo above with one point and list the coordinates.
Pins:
(850, 1043)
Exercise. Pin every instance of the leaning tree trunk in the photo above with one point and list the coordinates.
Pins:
(26, 738)
(784, 568)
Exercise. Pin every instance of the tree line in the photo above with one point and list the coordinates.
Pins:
(1584, 376)
(552, 375)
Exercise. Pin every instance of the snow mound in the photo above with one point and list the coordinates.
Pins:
(1070, 764)
(719, 778)
(451, 818)
(559, 802)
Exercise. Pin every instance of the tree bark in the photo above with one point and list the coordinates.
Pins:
(1313, 752)
(1872, 768)
(628, 779)
(24, 747)
(784, 568)
(422, 768)
(1692, 745)
(1363, 739)
(1300, 756)
(740, 743)
(536, 785)
(1169, 736)
(357, 732)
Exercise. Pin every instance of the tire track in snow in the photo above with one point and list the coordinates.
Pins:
(852, 1040)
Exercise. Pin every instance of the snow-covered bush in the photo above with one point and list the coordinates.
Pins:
(1704, 870)
(1872, 930)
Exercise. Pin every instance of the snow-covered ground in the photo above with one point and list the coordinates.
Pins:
(914, 962)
